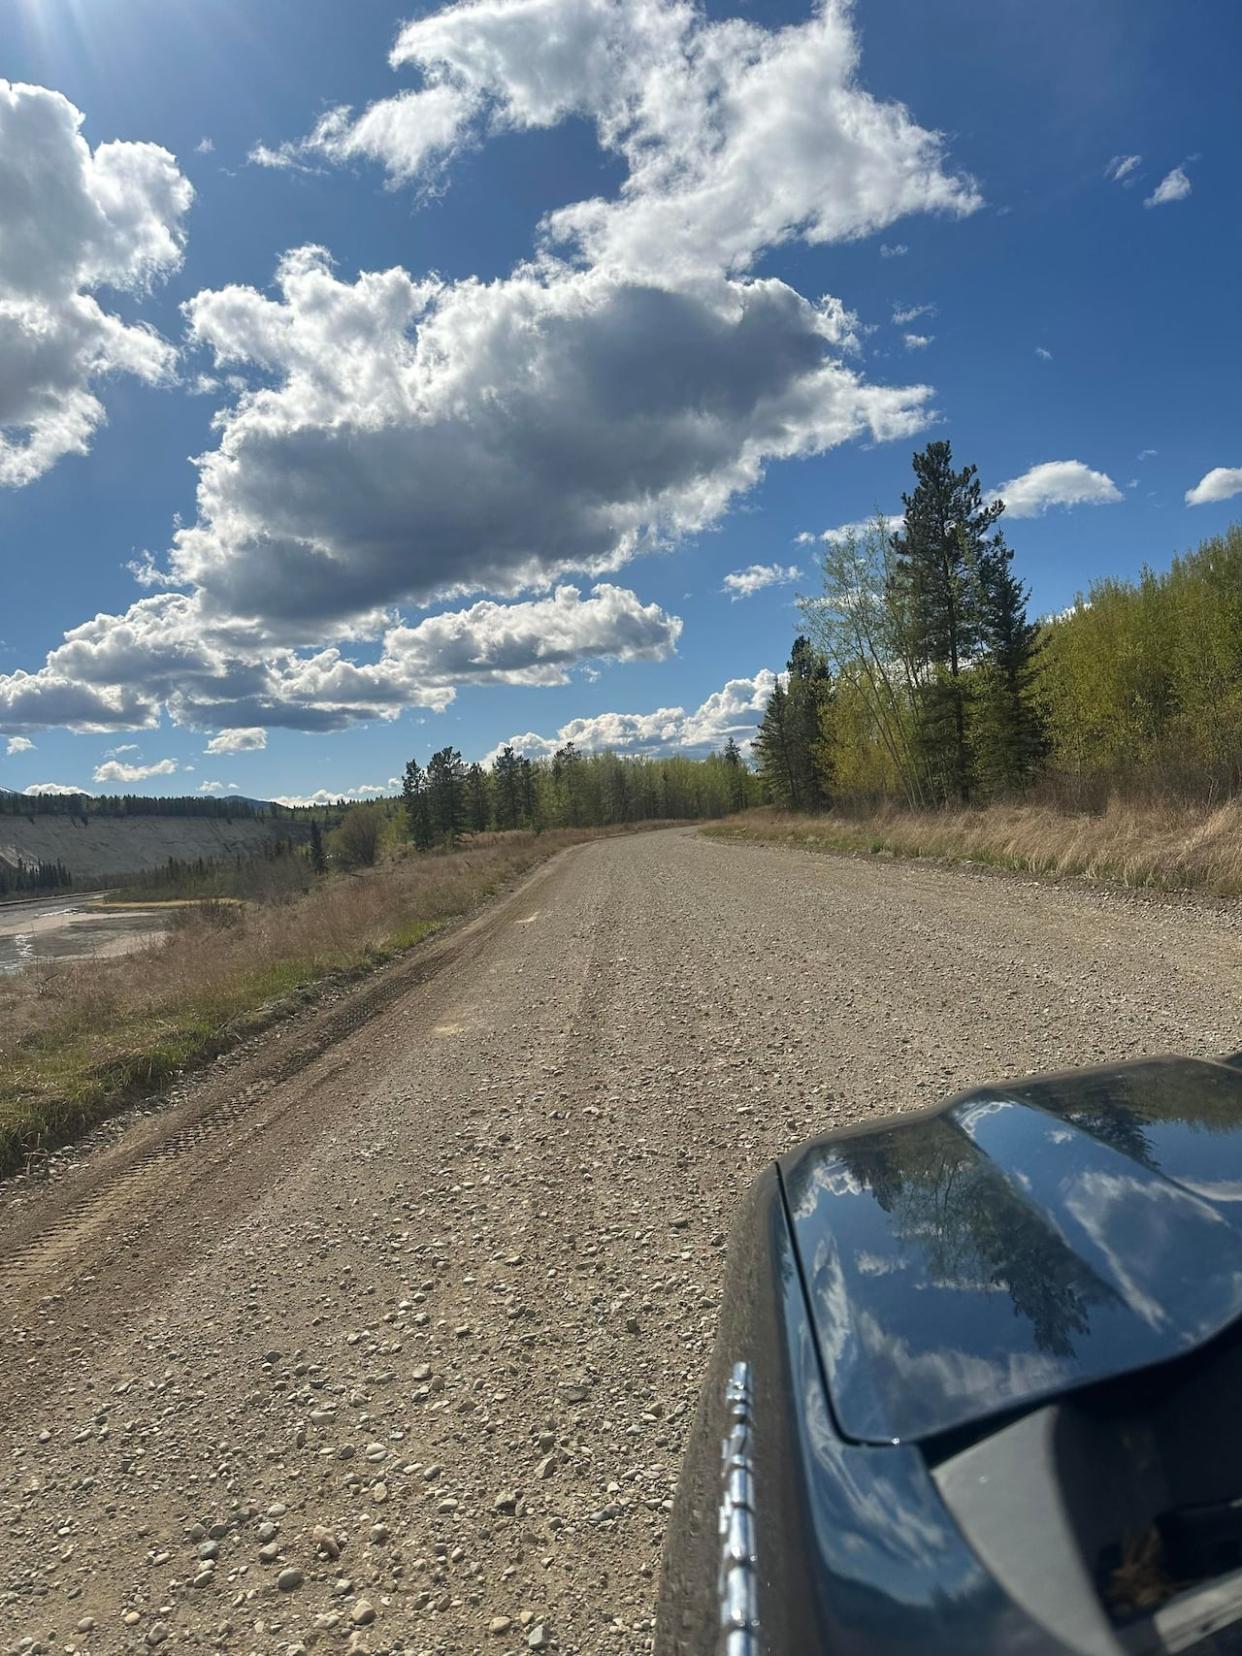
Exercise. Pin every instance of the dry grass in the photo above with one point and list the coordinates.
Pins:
(1174, 847)
(79, 1039)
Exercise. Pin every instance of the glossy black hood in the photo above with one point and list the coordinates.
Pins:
(1020, 1241)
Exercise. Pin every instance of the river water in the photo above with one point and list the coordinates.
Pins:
(69, 928)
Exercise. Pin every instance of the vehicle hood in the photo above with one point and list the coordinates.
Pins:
(1019, 1241)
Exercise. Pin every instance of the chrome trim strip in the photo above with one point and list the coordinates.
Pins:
(738, 1579)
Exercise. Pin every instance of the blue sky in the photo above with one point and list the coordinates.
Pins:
(497, 491)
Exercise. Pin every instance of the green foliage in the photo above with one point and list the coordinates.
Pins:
(1142, 681)
(446, 794)
(356, 843)
(572, 789)
(416, 800)
(33, 879)
(937, 574)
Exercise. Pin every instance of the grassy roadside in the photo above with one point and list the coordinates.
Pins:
(79, 1040)
(1162, 846)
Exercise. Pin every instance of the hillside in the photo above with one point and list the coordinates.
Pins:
(102, 848)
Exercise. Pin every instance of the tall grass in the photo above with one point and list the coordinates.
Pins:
(1170, 845)
(78, 1039)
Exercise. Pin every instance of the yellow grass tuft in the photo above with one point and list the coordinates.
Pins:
(79, 1039)
(1170, 846)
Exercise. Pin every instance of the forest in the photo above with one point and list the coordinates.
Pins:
(920, 678)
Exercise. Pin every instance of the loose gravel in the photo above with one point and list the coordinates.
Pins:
(384, 1334)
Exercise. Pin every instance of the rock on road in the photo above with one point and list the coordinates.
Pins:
(384, 1334)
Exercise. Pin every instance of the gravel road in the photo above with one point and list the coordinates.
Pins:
(383, 1334)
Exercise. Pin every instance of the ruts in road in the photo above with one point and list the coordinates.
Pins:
(385, 1332)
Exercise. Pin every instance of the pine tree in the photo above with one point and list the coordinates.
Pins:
(446, 788)
(318, 860)
(735, 770)
(774, 750)
(568, 783)
(809, 695)
(937, 554)
(507, 788)
(478, 801)
(415, 797)
(1011, 729)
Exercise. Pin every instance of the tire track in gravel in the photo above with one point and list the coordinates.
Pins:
(412, 1320)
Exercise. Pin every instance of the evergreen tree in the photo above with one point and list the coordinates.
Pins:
(1010, 729)
(446, 788)
(809, 696)
(735, 770)
(568, 783)
(937, 556)
(507, 788)
(774, 750)
(318, 860)
(478, 800)
(529, 788)
(416, 799)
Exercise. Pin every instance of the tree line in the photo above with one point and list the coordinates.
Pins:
(920, 676)
(32, 879)
(448, 798)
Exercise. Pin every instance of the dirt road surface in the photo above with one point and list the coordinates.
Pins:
(385, 1333)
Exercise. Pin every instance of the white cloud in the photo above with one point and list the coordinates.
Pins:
(1056, 483)
(324, 796)
(1147, 454)
(911, 313)
(1121, 168)
(896, 522)
(116, 770)
(1221, 483)
(1044, 354)
(410, 441)
(1174, 186)
(897, 250)
(18, 744)
(204, 146)
(74, 221)
(736, 137)
(744, 583)
(917, 342)
(37, 788)
(733, 710)
(170, 652)
(245, 740)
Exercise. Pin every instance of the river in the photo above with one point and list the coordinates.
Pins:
(72, 928)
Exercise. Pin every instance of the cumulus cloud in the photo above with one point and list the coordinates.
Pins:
(1174, 186)
(424, 439)
(116, 770)
(735, 136)
(895, 522)
(322, 796)
(911, 313)
(1056, 483)
(406, 441)
(246, 740)
(37, 788)
(170, 652)
(18, 744)
(895, 250)
(218, 789)
(1043, 353)
(75, 221)
(1221, 483)
(1121, 168)
(917, 342)
(734, 710)
(744, 583)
